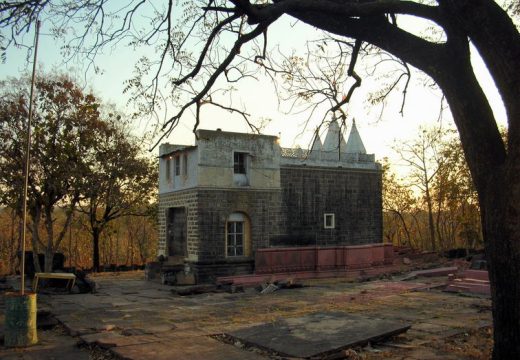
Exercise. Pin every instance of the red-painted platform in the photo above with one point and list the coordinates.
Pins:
(297, 259)
(300, 263)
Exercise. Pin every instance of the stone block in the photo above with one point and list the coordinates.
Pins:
(185, 279)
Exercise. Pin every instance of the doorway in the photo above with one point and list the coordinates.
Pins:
(176, 229)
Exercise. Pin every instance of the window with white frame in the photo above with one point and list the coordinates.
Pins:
(235, 238)
(237, 235)
(329, 221)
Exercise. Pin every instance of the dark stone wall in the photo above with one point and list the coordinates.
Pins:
(262, 207)
(353, 195)
(186, 199)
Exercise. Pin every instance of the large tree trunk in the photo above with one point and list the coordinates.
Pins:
(49, 256)
(501, 231)
(49, 248)
(431, 226)
(35, 238)
(405, 227)
(95, 244)
(495, 175)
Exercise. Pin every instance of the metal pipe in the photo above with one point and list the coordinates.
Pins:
(27, 159)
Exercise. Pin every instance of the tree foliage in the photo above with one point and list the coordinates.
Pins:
(65, 120)
(120, 181)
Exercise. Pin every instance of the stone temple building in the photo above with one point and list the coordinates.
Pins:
(232, 193)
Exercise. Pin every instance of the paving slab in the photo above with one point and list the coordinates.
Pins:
(319, 333)
(109, 340)
(198, 348)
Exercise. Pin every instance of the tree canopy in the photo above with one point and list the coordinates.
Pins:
(65, 120)
(81, 158)
(120, 181)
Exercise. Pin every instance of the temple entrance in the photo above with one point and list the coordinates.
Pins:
(176, 230)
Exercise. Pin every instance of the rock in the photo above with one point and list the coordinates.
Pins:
(269, 289)
(407, 261)
(168, 278)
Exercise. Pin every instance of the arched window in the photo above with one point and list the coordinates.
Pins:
(238, 241)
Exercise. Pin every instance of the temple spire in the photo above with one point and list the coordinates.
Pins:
(354, 142)
(316, 148)
(334, 140)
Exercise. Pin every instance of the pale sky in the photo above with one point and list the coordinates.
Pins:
(259, 99)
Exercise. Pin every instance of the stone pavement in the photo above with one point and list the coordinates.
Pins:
(136, 319)
(51, 346)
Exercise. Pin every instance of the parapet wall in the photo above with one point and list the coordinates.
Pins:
(296, 156)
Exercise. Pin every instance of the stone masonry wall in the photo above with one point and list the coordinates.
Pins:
(353, 195)
(214, 206)
(207, 211)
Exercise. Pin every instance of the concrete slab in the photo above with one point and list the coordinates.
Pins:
(199, 348)
(319, 333)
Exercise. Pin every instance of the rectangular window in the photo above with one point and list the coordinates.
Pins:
(235, 238)
(329, 221)
(177, 165)
(185, 165)
(239, 163)
(168, 171)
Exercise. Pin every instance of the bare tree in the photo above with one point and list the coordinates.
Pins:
(398, 200)
(422, 156)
